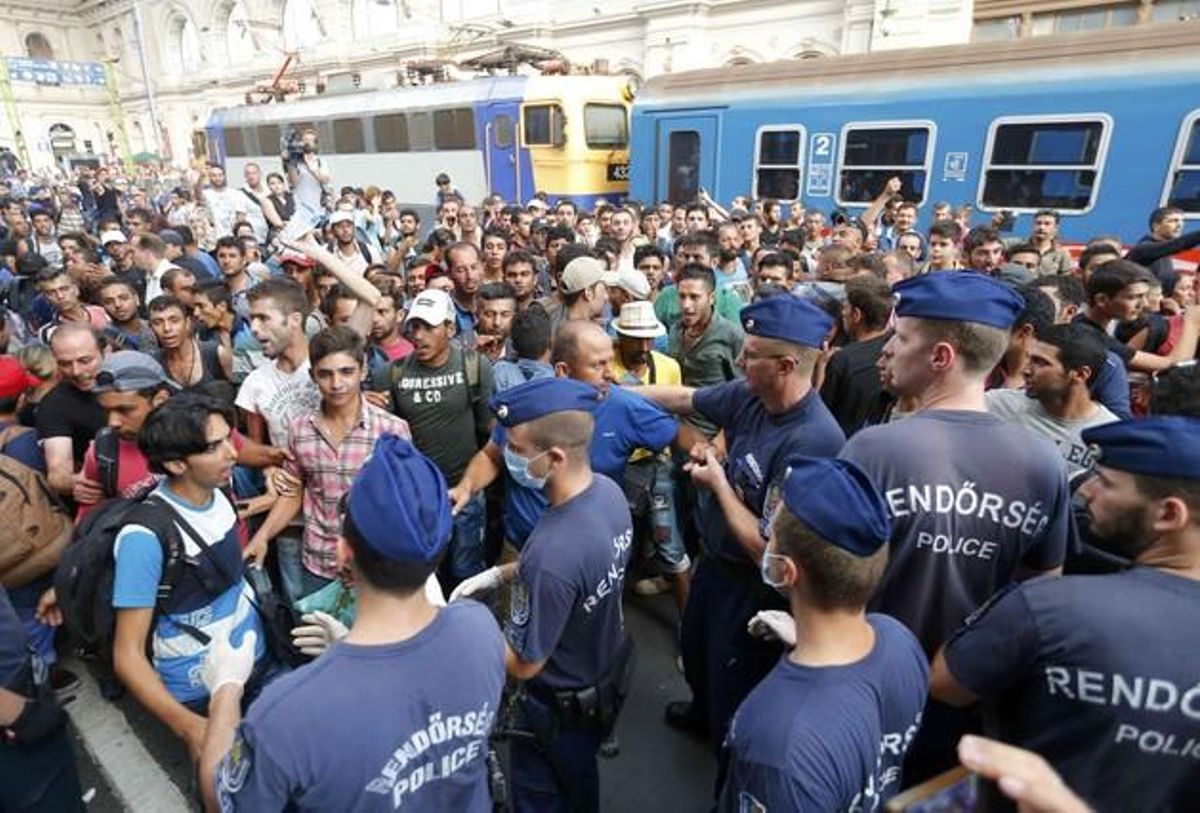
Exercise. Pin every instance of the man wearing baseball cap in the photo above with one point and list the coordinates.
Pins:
(344, 243)
(441, 389)
(16, 441)
(584, 287)
(409, 678)
(1098, 673)
(976, 502)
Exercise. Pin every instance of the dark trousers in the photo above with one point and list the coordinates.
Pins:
(537, 772)
(721, 661)
(40, 777)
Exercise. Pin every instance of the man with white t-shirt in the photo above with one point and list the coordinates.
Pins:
(222, 202)
(274, 395)
(1056, 403)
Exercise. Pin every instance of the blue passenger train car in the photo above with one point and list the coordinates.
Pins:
(508, 135)
(1100, 126)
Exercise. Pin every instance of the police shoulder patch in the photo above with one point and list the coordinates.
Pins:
(233, 770)
(518, 614)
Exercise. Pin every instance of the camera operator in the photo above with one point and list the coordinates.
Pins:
(306, 172)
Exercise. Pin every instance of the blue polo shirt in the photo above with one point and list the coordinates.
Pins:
(625, 422)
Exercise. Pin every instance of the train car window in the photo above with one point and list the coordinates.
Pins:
(235, 143)
(1043, 164)
(605, 126)
(454, 129)
(348, 136)
(542, 125)
(420, 132)
(1183, 182)
(871, 154)
(269, 139)
(502, 132)
(778, 156)
(683, 160)
(391, 133)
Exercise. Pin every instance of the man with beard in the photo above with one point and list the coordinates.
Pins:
(466, 271)
(345, 242)
(1097, 673)
(127, 331)
(386, 336)
(729, 268)
(1055, 402)
(231, 257)
(261, 212)
(496, 305)
(520, 274)
(222, 203)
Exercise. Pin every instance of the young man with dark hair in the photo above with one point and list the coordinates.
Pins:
(188, 361)
(231, 257)
(213, 310)
(1052, 257)
(1060, 365)
(1035, 316)
(1095, 255)
(776, 268)
(851, 387)
(827, 729)
(530, 339)
(327, 447)
(1117, 290)
(387, 337)
(495, 307)
(984, 250)
(292, 747)
(466, 271)
(126, 329)
(943, 247)
(62, 292)
(519, 270)
(1165, 239)
(1097, 673)
(187, 438)
(150, 255)
(654, 263)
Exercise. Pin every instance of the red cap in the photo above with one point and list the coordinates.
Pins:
(295, 258)
(14, 380)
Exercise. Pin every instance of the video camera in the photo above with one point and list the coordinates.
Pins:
(293, 147)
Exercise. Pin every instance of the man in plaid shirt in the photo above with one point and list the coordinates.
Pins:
(328, 446)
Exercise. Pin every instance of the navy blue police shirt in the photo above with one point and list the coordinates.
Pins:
(393, 727)
(971, 498)
(1101, 676)
(832, 737)
(565, 604)
(625, 422)
(758, 446)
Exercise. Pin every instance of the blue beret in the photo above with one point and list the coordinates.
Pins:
(399, 503)
(788, 318)
(959, 296)
(543, 396)
(1160, 445)
(838, 501)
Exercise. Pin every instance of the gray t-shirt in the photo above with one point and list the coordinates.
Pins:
(448, 418)
(1015, 407)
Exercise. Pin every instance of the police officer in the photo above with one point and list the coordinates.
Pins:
(565, 633)
(396, 714)
(976, 503)
(1100, 674)
(36, 763)
(768, 417)
(827, 728)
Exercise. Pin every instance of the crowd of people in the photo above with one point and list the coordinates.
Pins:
(359, 497)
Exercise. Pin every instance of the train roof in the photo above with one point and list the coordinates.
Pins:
(1117, 52)
(441, 94)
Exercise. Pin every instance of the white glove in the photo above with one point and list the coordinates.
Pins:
(319, 632)
(484, 582)
(226, 663)
(773, 625)
(433, 591)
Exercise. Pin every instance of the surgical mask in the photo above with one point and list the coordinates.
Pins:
(518, 468)
(766, 571)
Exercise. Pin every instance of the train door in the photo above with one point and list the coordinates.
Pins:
(501, 153)
(687, 157)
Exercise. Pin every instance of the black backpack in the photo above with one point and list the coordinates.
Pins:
(84, 579)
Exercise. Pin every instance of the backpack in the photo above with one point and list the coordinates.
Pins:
(36, 526)
(86, 571)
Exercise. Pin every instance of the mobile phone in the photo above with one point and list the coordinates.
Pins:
(955, 791)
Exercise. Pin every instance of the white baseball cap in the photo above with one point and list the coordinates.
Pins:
(584, 272)
(432, 306)
(111, 236)
(341, 216)
(637, 320)
(633, 282)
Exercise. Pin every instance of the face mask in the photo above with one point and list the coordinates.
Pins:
(518, 468)
(766, 571)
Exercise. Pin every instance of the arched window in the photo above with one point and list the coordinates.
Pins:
(375, 18)
(37, 46)
(239, 39)
(183, 46)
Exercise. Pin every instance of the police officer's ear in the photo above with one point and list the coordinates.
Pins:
(942, 356)
(1171, 514)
